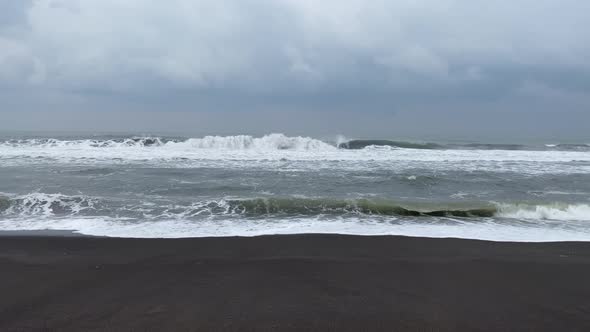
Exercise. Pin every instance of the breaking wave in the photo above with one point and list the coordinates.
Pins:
(270, 142)
(299, 206)
(267, 142)
(258, 216)
(302, 206)
(40, 204)
(238, 142)
(554, 211)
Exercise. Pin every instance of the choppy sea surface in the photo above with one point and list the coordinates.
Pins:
(139, 186)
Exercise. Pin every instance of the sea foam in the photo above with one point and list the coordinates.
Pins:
(555, 211)
(251, 217)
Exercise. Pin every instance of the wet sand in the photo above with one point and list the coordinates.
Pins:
(292, 283)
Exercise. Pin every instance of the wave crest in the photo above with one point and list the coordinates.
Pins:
(40, 204)
(554, 211)
(267, 142)
(270, 142)
(48, 205)
(238, 142)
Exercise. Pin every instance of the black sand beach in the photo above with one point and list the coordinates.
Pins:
(292, 283)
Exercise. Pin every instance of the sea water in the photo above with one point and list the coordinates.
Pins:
(148, 186)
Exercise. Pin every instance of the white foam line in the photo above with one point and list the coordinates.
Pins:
(184, 229)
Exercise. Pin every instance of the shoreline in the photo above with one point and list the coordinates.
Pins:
(291, 282)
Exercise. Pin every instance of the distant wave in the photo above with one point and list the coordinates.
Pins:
(48, 205)
(361, 144)
(270, 142)
(267, 142)
(238, 142)
(483, 146)
(91, 143)
(569, 147)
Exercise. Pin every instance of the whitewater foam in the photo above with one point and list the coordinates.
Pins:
(278, 151)
(275, 184)
(252, 217)
(238, 142)
(181, 229)
(265, 143)
(88, 143)
(555, 211)
(49, 205)
(45, 205)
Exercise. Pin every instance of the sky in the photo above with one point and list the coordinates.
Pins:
(472, 69)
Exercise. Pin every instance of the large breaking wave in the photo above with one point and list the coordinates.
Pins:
(278, 151)
(268, 142)
(275, 141)
(237, 142)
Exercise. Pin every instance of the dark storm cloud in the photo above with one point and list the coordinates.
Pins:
(450, 60)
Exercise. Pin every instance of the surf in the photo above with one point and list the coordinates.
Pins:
(42, 204)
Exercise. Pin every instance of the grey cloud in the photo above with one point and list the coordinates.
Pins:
(13, 12)
(203, 43)
(380, 57)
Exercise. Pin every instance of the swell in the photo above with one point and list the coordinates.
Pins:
(487, 146)
(569, 147)
(361, 144)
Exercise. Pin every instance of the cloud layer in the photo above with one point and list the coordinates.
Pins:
(215, 42)
(393, 54)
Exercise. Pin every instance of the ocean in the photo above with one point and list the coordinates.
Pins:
(171, 187)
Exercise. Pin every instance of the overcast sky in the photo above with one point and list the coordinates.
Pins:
(393, 68)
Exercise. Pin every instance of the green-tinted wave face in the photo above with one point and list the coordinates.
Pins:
(4, 203)
(361, 144)
(60, 205)
(291, 206)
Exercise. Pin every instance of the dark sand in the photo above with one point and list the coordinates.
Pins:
(288, 283)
